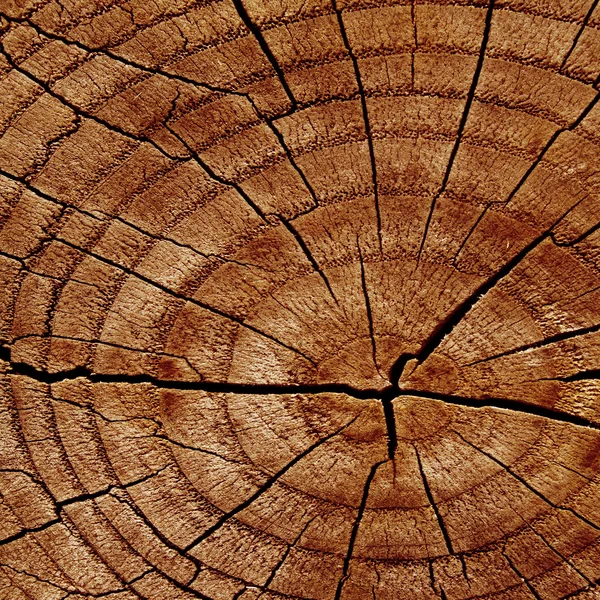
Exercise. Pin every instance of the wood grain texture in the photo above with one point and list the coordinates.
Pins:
(299, 299)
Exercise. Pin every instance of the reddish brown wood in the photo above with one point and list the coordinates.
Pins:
(299, 300)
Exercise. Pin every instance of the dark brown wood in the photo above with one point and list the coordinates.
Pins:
(299, 300)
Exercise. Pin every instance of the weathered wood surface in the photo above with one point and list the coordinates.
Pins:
(299, 299)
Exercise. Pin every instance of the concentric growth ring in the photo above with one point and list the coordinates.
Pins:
(299, 300)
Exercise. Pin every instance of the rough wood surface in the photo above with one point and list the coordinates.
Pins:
(299, 299)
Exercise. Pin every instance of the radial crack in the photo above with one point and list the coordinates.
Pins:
(27, 370)
(517, 406)
(365, 114)
(551, 141)
(463, 121)
(283, 558)
(586, 19)
(263, 488)
(527, 484)
(183, 297)
(523, 579)
(433, 504)
(264, 46)
(363, 281)
(553, 339)
(354, 533)
(308, 254)
(240, 190)
(555, 550)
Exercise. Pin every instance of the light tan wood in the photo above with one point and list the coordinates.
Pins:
(299, 300)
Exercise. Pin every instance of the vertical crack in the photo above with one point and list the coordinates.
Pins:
(354, 532)
(416, 41)
(365, 114)
(463, 121)
(387, 400)
(434, 506)
(369, 312)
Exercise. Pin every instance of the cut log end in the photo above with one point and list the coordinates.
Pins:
(299, 301)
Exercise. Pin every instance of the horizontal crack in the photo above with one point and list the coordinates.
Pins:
(386, 396)
(505, 404)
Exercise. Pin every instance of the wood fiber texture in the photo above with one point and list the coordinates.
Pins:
(299, 299)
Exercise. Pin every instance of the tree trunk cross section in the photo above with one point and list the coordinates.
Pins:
(299, 300)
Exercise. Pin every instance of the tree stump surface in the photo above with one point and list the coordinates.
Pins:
(299, 299)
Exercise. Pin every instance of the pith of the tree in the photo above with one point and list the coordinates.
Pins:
(299, 300)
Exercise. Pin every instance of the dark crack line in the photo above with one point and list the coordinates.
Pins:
(523, 579)
(283, 558)
(386, 396)
(308, 254)
(168, 544)
(196, 157)
(591, 374)
(21, 368)
(27, 530)
(183, 297)
(263, 488)
(118, 58)
(207, 169)
(240, 190)
(181, 79)
(90, 408)
(580, 237)
(551, 141)
(106, 218)
(100, 493)
(60, 505)
(99, 343)
(463, 121)
(76, 589)
(363, 282)
(555, 550)
(578, 35)
(434, 506)
(586, 111)
(365, 114)
(553, 339)
(81, 112)
(525, 483)
(186, 80)
(264, 46)
(354, 533)
(516, 406)
(458, 314)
